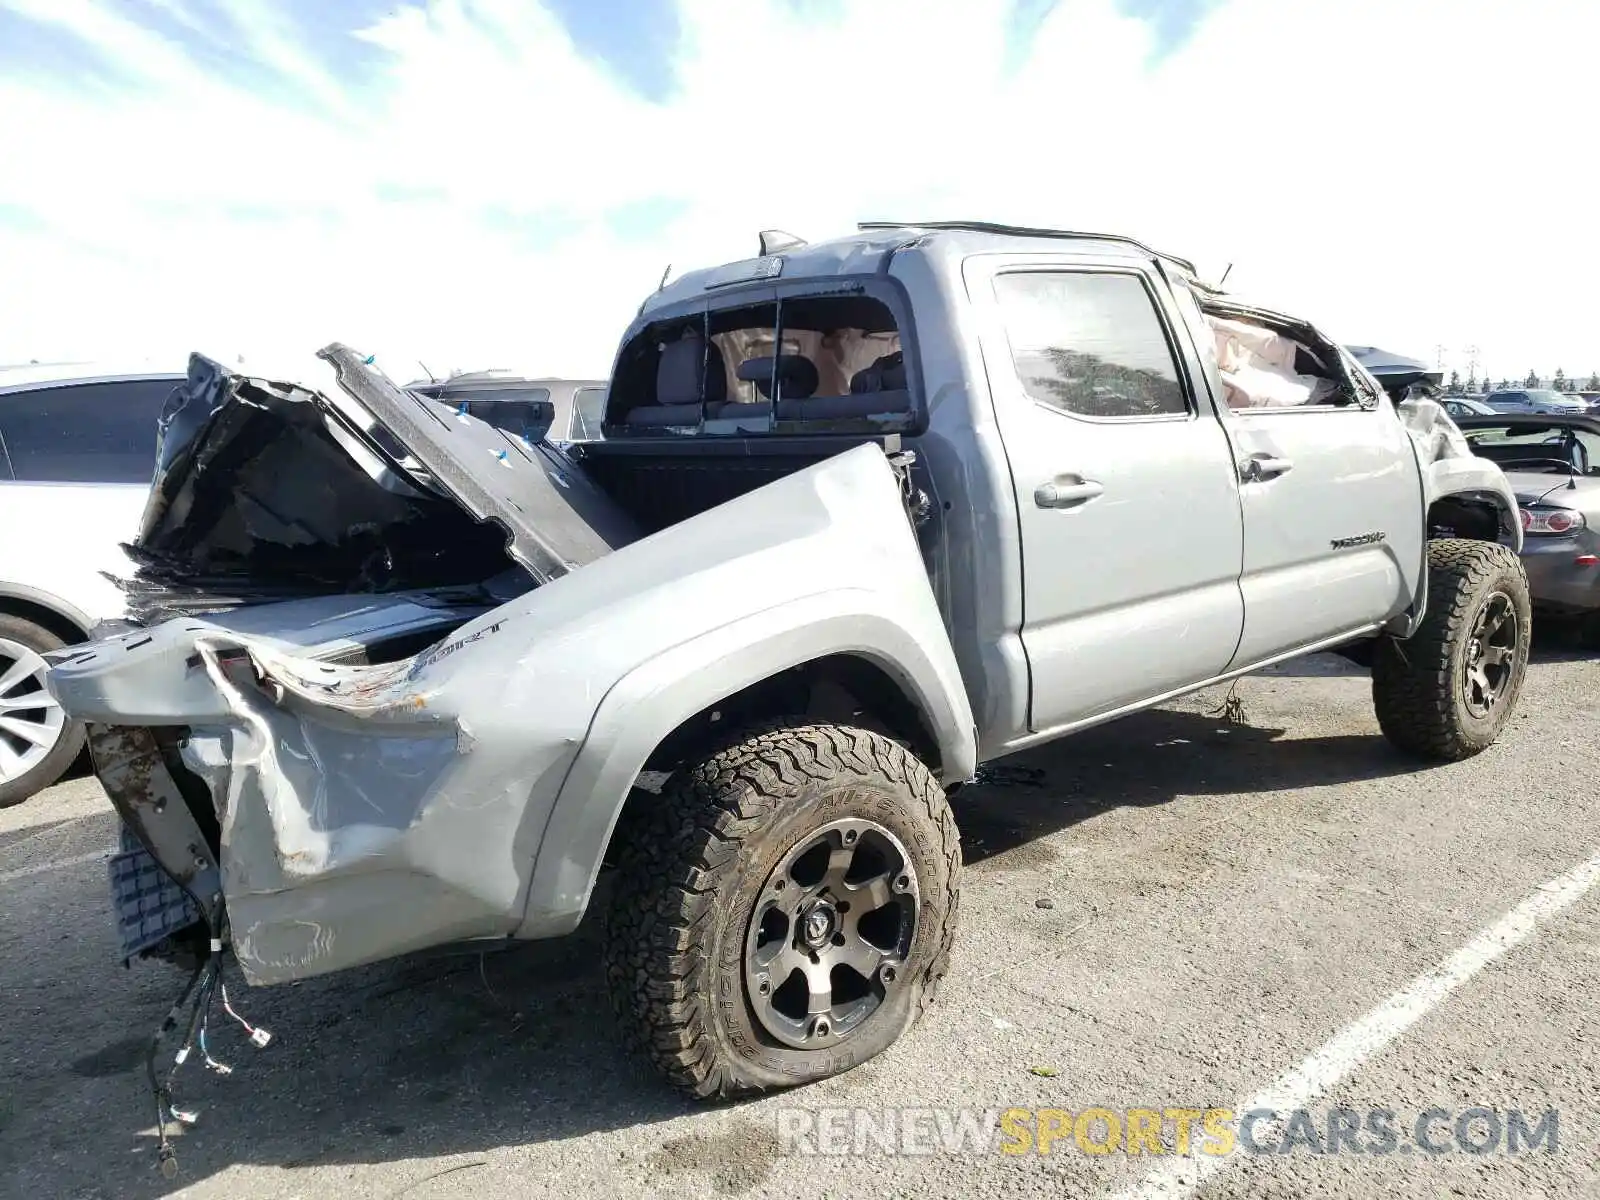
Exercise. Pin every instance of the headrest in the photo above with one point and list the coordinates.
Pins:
(683, 366)
(796, 374)
(887, 374)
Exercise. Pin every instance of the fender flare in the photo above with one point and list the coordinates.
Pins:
(1473, 479)
(654, 698)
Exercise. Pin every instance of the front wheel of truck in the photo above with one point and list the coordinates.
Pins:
(1446, 692)
(783, 910)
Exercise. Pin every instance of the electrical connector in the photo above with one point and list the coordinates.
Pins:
(259, 1037)
(220, 1068)
(183, 1116)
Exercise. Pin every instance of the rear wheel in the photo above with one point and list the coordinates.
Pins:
(37, 742)
(783, 910)
(1447, 691)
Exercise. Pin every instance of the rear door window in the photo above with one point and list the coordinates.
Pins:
(84, 432)
(1090, 344)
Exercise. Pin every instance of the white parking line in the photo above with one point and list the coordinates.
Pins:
(1347, 1050)
(59, 864)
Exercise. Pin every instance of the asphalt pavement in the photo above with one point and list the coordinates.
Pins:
(1177, 918)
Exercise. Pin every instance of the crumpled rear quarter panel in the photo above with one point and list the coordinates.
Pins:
(369, 811)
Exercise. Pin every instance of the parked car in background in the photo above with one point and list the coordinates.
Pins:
(564, 410)
(1462, 406)
(77, 448)
(1533, 400)
(1553, 464)
(1395, 373)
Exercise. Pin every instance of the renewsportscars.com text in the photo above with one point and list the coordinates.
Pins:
(1167, 1130)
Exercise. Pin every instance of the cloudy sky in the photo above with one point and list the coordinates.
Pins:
(478, 183)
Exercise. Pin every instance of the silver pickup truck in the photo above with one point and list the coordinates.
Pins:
(867, 513)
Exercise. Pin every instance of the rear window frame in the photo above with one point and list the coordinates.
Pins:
(885, 289)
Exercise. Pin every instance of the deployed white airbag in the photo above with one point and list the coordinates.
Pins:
(1258, 368)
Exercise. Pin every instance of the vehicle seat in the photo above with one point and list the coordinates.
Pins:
(688, 371)
(1510, 454)
(887, 374)
(796, 375)
(878, 390)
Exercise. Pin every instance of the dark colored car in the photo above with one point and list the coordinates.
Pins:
(1553, 465)
(1534, 400)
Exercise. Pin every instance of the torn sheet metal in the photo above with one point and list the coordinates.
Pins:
(152, 903)
(360, 814)
(367, 811)
(260, 493)
(555, 517)
(1436, 436)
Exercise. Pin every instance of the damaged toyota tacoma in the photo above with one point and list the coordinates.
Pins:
(867, 513)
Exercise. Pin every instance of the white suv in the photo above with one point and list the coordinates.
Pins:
(77, 451)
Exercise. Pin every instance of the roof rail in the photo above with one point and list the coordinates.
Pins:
(1028, 231)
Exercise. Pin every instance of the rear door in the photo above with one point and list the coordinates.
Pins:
(1127, 503)
(82, 456)
(1333, 516)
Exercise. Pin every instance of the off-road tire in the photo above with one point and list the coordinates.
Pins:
(1418, 684)
(692, 864)
(56, 763)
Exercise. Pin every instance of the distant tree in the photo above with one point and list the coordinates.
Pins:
(1560, 381)
(1532, 380)
(1454, 386)
(1594, 382)
(1503, 385)
(1472, 385)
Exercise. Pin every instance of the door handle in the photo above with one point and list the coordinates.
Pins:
(1264, 466)
(1066, 495)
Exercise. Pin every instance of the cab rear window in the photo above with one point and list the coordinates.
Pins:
(803, 364)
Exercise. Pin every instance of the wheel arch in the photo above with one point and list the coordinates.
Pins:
(683, 700)
(1475, 506)
(66, 621)
(1480, 515)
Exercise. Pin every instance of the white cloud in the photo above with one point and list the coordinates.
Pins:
(1409, 172)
